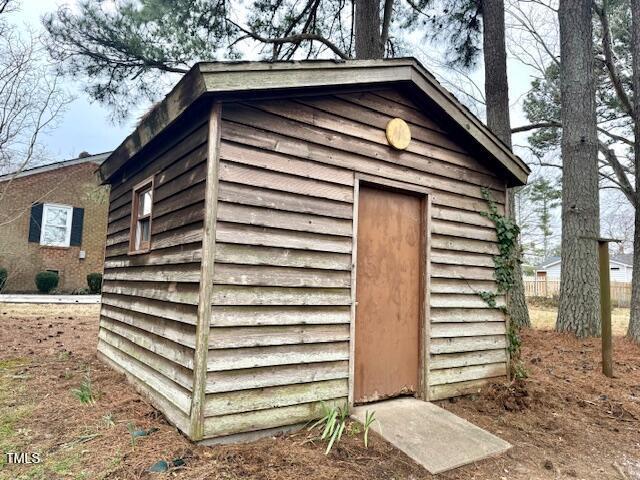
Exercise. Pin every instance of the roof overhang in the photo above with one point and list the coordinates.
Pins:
(224, 78)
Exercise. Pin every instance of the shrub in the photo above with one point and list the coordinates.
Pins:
(3, 278)
(47, 281)
(94, 280)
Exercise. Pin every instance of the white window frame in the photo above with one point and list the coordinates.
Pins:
(67, 239)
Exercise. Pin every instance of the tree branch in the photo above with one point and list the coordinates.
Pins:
(386, 21)
(295, 39)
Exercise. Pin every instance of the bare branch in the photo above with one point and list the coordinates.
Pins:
(295, 39)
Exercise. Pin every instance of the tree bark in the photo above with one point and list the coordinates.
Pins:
(633, 332)
(579, 309)
(368, 38)
(496, 88)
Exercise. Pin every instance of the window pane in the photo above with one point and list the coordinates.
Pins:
(54, 235)
(144, 207)
(143, 234)
(56, 216)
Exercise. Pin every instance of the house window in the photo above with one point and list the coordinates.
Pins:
(141, 210)
(56, 225)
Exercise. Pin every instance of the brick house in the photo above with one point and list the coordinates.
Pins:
(53, 217)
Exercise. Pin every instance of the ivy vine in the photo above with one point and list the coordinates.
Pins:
(507, 232)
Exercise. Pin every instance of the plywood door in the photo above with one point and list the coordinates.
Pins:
(388, 292)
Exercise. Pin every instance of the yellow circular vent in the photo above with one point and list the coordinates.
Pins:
(398, 133)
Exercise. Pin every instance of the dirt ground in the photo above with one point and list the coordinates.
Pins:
(565, 421)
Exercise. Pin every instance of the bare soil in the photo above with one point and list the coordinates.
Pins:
(565, 421)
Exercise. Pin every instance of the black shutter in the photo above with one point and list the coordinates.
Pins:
(35, 222)
(76, 227)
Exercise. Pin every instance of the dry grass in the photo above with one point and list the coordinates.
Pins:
(545, 319)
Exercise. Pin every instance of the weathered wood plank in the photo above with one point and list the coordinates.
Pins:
(467, 344)
(463, 374)
(463, 245)
(468, 329)
(236, 380)
(457, 258)
(172, 311)
(440, 392)
(454, 214)
(276, 162)
(273, 397)
(174, 415)
(448, 300)
(235, 295)
(453, 229)
(280, 257)
(250, 316)
(263, 419)
(241, 358)
(266, 217)
(462, 272)
(237, 173)
(181, 333)
(263, 336)
(161, 346)
(269, 237)
(173, 372)
(449, 315)
(228, 274)
(186, 272)
(158, 383)
(187, 253)
(169, 292)
(462, 286)
(452, 360)
(291, 202)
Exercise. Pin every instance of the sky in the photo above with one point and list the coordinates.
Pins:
(84, 126)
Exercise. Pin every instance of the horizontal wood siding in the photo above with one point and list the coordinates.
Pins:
(149, 304)
(279, 339)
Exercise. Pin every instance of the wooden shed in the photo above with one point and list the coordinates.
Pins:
(275, 241)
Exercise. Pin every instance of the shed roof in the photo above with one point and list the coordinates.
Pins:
(222, 78)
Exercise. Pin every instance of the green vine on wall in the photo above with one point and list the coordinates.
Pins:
(507, 232)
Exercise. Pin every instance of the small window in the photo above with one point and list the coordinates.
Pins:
(56, 225)
(141, 210)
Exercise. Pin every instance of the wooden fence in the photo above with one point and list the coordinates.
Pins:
(540, 287)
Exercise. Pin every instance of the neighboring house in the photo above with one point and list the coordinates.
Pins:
(53, 217)
(249, 202)
(621, 268)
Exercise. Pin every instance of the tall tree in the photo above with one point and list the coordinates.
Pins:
(578, 311)
(634, 321)
(125, 49)
(546, 197)
(496, 87)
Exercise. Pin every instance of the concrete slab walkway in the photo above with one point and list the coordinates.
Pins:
(27, 298)
(433, 437)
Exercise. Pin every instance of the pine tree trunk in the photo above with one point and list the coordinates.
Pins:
(633, 332)
(368, 39)
(579, 309)
(496, 87)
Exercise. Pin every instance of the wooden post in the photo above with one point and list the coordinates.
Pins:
(605, 307)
